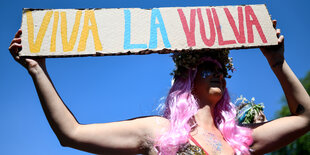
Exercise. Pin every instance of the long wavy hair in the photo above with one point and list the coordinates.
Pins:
(180, 108)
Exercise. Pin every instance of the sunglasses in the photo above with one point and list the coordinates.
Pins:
(207, 73)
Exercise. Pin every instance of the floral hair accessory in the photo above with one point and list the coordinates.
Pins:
(248, 111)
(190, 60)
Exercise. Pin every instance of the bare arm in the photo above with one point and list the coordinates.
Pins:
(278, 133)
(124, 137)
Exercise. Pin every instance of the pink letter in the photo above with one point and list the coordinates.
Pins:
(219, 31)
(249, 13)
(208, 42)
(190, 33)
(239, 34)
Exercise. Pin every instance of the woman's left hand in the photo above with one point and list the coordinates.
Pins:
(275, 54)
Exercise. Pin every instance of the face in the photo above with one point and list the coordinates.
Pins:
(209, 84)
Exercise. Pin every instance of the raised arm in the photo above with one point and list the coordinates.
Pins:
(126, 137)
(280, 132)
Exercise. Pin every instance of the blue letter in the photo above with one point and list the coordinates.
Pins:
(154, 26)
(127, 33)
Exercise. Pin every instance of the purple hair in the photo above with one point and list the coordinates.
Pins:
(181, 106)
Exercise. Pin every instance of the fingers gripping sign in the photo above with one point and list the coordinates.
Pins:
(16, 46)
(275, 54)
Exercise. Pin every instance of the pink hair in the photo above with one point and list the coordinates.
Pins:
(239, 138)
(180, 107)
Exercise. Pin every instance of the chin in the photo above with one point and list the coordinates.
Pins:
(216, 92)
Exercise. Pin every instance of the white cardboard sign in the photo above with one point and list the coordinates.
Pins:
(77, 32)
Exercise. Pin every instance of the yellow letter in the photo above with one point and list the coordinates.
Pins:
(53, 38)
(89, 15)
(68, 46)
(35, 46)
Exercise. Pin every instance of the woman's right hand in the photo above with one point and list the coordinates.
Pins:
(31, 64)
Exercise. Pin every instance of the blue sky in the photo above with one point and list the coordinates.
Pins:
(114, 88)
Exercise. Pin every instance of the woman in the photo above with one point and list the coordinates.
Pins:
(198, 113)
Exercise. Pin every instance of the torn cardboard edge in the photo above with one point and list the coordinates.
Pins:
(144, 52)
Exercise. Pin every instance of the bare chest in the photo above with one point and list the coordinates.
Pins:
(212, 144)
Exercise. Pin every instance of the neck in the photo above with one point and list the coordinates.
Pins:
(204, 117)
